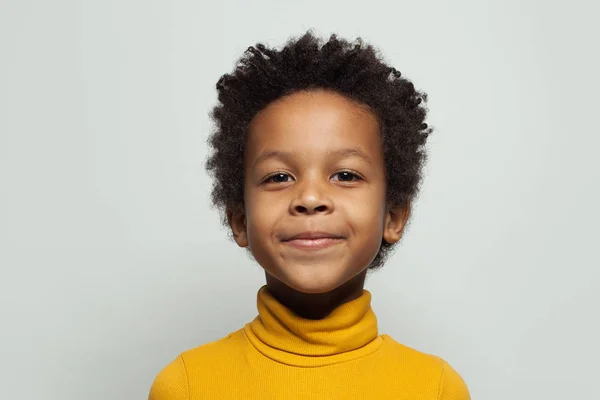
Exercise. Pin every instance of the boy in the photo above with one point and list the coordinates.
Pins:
(316, 157)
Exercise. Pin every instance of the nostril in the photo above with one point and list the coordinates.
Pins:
(302, 209)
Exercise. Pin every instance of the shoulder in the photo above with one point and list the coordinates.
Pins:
(203, 355)
(173, 381)
(450, 385)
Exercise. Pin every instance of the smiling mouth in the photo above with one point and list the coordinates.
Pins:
(313, 244)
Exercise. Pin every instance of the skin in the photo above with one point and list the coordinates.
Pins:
(313, 188)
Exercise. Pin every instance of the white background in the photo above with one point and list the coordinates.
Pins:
(112, 262)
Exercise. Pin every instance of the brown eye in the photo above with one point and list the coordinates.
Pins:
(347, 176)
(277, 178)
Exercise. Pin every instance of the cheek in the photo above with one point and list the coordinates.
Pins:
(261, 217)
(368, 219)
(367, 209)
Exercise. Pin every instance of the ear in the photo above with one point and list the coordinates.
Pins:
(237, 223)
(395, 221)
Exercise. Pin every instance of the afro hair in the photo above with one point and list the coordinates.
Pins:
(263, 75)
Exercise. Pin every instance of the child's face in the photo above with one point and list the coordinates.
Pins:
(305, 188)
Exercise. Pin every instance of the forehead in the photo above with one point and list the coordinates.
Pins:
(314, 122)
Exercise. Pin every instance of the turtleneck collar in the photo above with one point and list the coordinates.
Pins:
(348, 332)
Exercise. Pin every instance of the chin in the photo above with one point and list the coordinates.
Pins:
(314, 283)
(313, 287)
(313, 276)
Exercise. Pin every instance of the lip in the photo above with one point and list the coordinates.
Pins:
(312, 235)
(313, 244)
(313, 240)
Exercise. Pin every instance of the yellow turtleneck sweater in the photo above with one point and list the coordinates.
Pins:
(280, 355)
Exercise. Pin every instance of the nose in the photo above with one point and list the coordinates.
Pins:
(311, 197)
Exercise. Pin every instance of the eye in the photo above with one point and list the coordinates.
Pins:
(346, 176)
(277, 178)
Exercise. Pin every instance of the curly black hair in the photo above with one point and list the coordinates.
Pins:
(355, 70)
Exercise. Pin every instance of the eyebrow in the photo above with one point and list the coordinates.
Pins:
(339, 153)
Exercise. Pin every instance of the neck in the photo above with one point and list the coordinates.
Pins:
(316, 305)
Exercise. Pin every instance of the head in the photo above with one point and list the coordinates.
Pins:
(316, 138)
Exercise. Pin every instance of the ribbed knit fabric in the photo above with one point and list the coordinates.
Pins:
(280, 355)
